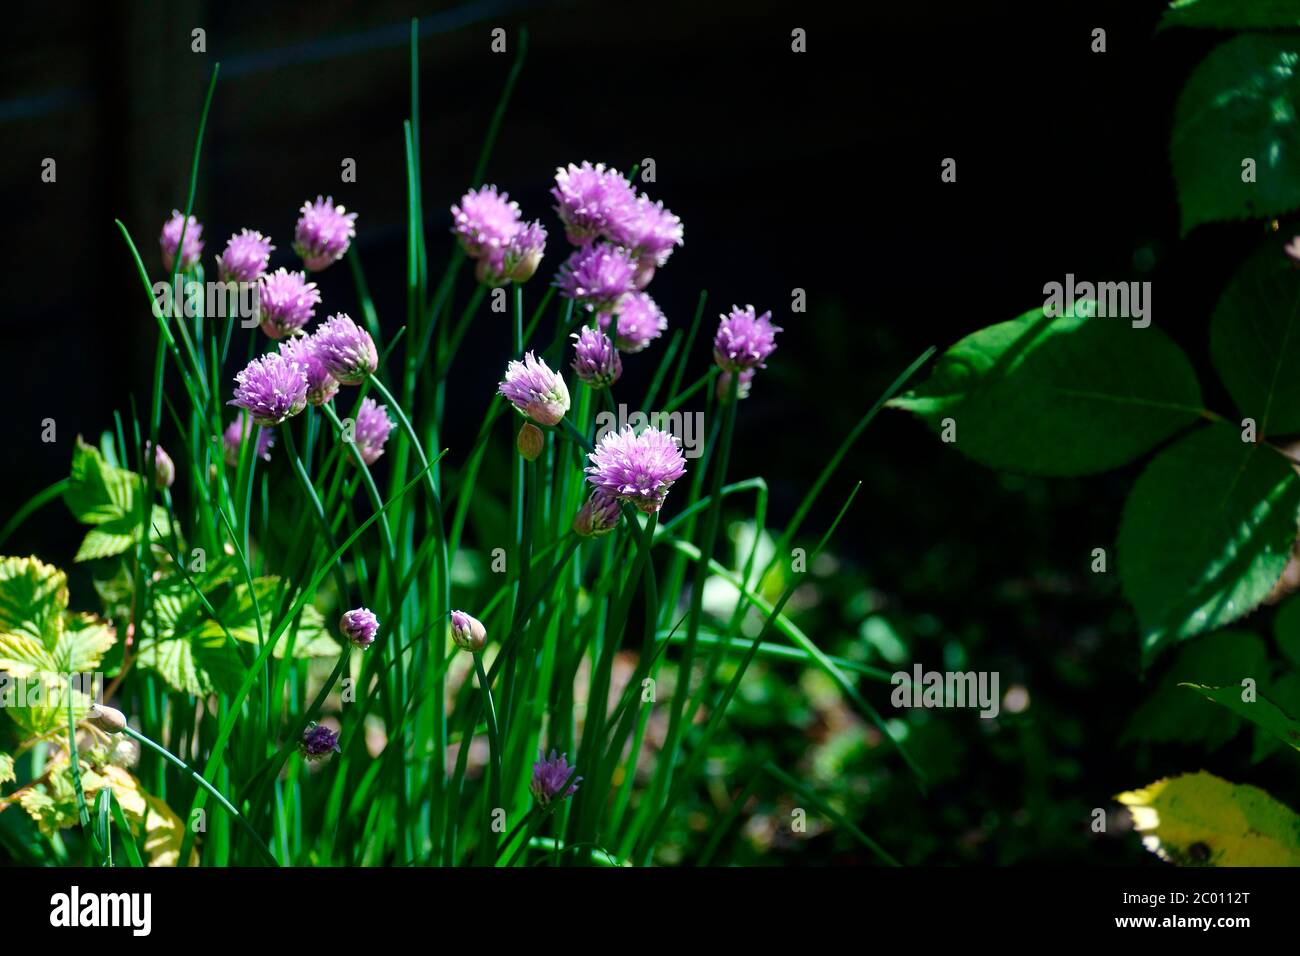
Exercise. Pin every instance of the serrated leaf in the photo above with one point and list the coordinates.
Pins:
(21, 656)
(1171, 714)
(1069, 395)
(1198, 819)
(33, 597)
(7, 769)
(1261, 711)
(1239, 104)
(1232, 14)
(1205, 533)
(83, 643)
(119, 535)
(309, 637)
(194, 665)
(164, 834)
(1255, 340)
(1285, 692)
(98, 492)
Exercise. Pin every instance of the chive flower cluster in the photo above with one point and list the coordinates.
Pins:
(491, 231)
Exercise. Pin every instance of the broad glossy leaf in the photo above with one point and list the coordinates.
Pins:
(1068, 395)
(1255, 340)
(1285, 692)
(1261, 711)
(1171, 714)
(1239, 104)
(98, 492)
(1198, 819)
(194, 665)
(1286, 631)
(1232, 14)
(1206, 531)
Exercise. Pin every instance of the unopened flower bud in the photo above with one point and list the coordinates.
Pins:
(107, 719)
(468, 632)
(529, 441)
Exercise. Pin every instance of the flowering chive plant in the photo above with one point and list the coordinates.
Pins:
(248, 587)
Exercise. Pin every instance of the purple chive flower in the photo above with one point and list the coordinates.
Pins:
(359, 626)
(468, 632)
(597, 276)
(347, 350)
(550, 775)
(286, 302)
(271, 389)
(233, 437)
(246, 256)
(535, 391)
(321, 385)
(1292, 249)
(599, 514)
(592, 201)
(317, 741)
(485, 221)
(744, 340)
(595, 360)
(651, 232)
(742, 389)
(164, 469)
(171, 239)
(636, 468)
(323, 233)
(640, 322)
(372, 428)
(523, 254)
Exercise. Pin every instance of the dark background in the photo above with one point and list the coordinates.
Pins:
(818, 171)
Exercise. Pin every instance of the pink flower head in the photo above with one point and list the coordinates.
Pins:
(597, 276)
(744, 340)
(595, 360)
(468, 631)
(347, 350)
(485, 221)
(271, 389)
(639, 323)
(372, 428)
(245, 258)
(535, 391)
(321, 385)
(592, 201)
(636, 468)
(523, 254)
(550, 776)
(286, 302)
(359, 626)
(323, 233)
(243, 427)
(651, 232)
(170, 240)
(1292, 249)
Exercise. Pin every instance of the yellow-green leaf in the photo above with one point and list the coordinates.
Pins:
(83, 643)
(33, 597)
(1198, 819)
(6, 769)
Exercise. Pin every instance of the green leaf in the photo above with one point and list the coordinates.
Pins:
(1260, 711)
(1286, 631)
(1232, 14)
(1285, 692)
(310, 639)
(1069, 395)
(1255, 340)
(6, 769)
(82, 644)
(1206, 532)
(1171, 714)
(1239, 104)
(98, 492)
(198, 666)
(1198, 819)
(33, 597)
